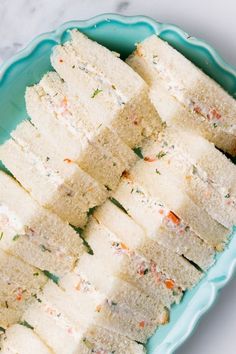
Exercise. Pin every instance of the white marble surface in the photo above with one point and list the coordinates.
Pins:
(213, 20)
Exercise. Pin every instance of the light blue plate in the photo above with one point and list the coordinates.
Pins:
(120, 33)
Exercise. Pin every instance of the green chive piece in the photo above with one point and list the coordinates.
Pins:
(91, 210)
(88, 344)
(52, 276)
(26, 324)
(1, 235)
(138, 152)
(194, 170)
(96, 92)
(15, 237)
(86, 244)
(45, 249)
(114, 201)
(78, 230)
(161, 154)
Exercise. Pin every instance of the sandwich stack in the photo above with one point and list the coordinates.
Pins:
(97, 243)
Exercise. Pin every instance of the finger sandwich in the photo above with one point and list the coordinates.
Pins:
(184, 94)
(34, 234)
(62, 117)
(111, 91)
(55, 181)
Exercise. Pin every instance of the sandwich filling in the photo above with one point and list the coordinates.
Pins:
(204, 113)
(103, 83)
(171, 151)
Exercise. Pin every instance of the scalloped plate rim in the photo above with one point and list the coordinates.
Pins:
(55, 35)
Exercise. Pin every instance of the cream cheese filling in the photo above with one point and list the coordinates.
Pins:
(209, 114)
(9, 217)
(103, 83)
(191, 165)
(41, 166)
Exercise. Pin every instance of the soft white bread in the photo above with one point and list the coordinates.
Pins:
(62, 117)
(123, 263)
(206, 156)
(159, 182)
(59, 325)
(94, 74)
(131, 266)
(160, 223)
(122, 292)
(174, 113)
(181, 150)
(53, 180)
(192, 97)
(19, 282)
(19, 339)
(106, 309)
(171, 271)
(34, 234)
(82, 305)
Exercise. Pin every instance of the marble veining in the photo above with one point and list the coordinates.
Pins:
(122, 6)
(22, 20)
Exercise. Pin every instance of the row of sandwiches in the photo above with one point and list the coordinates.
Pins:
(117, 215)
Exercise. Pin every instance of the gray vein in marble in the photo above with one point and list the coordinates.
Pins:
(122, 6)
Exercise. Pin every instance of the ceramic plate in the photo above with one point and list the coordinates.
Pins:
(120, 34)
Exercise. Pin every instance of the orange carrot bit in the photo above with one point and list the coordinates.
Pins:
(161, 211)
(141, 324)
(19, 295)
(98, 308)
(61, 60)
(149, 159)
(174, 218)
(68, 160)
(64, 101)
(215, 114)
(169, 283)
(123, 246)
(197, 109)
(78, 286)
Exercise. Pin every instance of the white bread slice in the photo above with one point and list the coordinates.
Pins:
(53, 180)
(60, 327)
(94, 74)
(81, 304)
(192, 97)
(98, 151)
(174, 113)
(19, 282)
(131, 266)
(160, 183)
(123, 292)
(181, 151)
(111, 309)
(171, 271)
(34, 234)
(149, 215)
(206, 156)
(19, 339)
